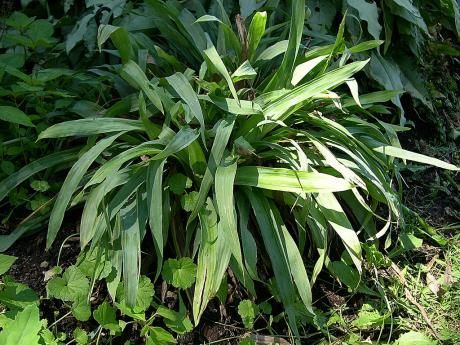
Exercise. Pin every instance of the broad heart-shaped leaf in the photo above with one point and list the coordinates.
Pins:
(180, 273)
(16, 295)
(40, 185)
(24, 329)
(178, 322)
(6, 261)
(387, 73)
(248, 312)
(80, 336)
(81, 310)
(70, 286)
(178, 183)
(14, 115)
(105, 315)
(144, 296)
(415, 338)
(368, 317)
(368, 12)
(94, 262)
(71, 183)
(409, 11)
(47, 337)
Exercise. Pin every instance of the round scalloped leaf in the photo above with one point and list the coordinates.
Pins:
(180, 273)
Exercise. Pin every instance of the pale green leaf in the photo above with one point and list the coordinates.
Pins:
(87, 127)
(289, 180)
(106, 317)
(414, 338)
(24, 329)
(248, 311)
(6, 261)
(304, 68)
(255, 32)
(416, 157)
(180, 273)
(70, 286)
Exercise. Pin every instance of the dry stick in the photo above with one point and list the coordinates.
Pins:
(268, 339)
(397, 272)
(422, 311)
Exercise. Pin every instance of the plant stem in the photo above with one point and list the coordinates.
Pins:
(98, 336)
(59, 320)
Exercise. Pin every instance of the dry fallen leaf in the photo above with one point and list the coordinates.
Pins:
(431, 263)
(49, 274)
(433, 284)
(448, 280)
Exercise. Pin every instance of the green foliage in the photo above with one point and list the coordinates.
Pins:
(413, 337)
(80, 336)
(105, 316)
(15, 295)
(144, 295)
(248, 312)
(6, 261)
(23, 329)
(180, 273)
(246, 145)
(217, 130)
(178, 322)
(407, 27)
(70, 286)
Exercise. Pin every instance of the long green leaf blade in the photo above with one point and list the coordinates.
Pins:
(290, 180)
(71, 183)
(416, 157)
(87, 127)
(15, 179)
